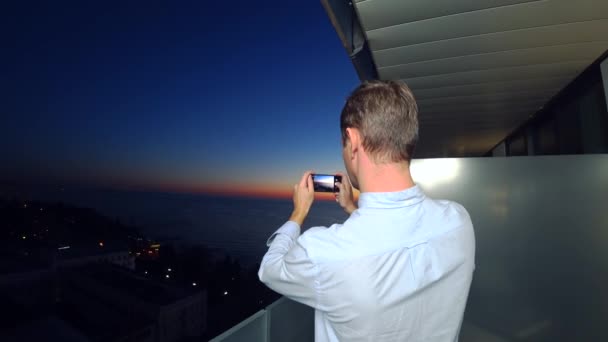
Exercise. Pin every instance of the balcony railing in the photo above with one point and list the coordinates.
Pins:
(283, 320)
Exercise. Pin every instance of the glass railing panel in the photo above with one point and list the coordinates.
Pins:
(253, 329)
(282, 321)
(540, 229)
(290, 321)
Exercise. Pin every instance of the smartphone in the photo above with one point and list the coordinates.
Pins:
(325, 183)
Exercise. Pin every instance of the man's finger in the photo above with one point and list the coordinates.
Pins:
(341, 189)
(341, 174)
(309, 182)
(304, 180)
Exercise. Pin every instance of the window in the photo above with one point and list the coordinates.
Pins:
(546, 139)
(517, 145)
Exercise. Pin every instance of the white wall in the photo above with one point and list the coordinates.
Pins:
(541, 226)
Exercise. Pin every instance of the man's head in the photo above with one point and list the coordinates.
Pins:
(379, 120)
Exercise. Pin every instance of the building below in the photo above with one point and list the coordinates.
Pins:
(104, 296)
(113, 252)
(73, 300)
(50, 328)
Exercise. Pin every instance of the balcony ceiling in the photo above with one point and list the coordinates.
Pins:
(480, 68)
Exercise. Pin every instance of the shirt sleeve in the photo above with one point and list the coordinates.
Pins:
(287, 269)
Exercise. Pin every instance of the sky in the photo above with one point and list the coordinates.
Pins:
(200, 96)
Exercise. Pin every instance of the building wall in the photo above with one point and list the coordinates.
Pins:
(121, 258)
(120, 299)
(97, 311)
(182, 319)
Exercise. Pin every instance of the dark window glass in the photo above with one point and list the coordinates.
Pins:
(517, 145)
(568, 125)
(546, 139)
(594, 120)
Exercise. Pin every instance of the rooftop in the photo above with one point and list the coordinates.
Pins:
(134, 285)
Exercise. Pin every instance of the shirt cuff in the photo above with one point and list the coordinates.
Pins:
(290, 229)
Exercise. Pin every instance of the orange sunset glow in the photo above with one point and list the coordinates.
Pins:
(275, 191)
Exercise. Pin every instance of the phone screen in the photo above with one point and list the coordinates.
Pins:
(325, 183)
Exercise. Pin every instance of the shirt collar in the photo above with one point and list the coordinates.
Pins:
(396, 199)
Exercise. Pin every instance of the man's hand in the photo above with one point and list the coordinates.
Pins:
(303, 196)
(345, 196)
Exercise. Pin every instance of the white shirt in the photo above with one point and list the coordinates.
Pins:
(398, 269)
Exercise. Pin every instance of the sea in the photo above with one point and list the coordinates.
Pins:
(237, 226)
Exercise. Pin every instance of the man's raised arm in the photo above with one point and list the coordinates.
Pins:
(286, 267)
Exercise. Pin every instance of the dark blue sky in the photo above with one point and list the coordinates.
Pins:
(173, 95)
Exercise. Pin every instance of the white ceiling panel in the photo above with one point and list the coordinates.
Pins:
(571, 33)
(508, 98)
(493, 60)
(504, 108)
(527, 72)
(378, 14)
(507, 18)
(480, 68)
(554, 83)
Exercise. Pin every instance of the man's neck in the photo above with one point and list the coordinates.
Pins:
(386, 177)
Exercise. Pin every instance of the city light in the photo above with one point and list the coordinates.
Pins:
(64, 247)
(100, 243)
(225, 293)
(168, 270)
(24, 237)
(145, 272)
(167, 276)
(193, 284)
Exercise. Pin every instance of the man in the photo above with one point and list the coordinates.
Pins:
(400, 267)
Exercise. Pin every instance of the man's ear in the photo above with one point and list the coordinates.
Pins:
(354, 136)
